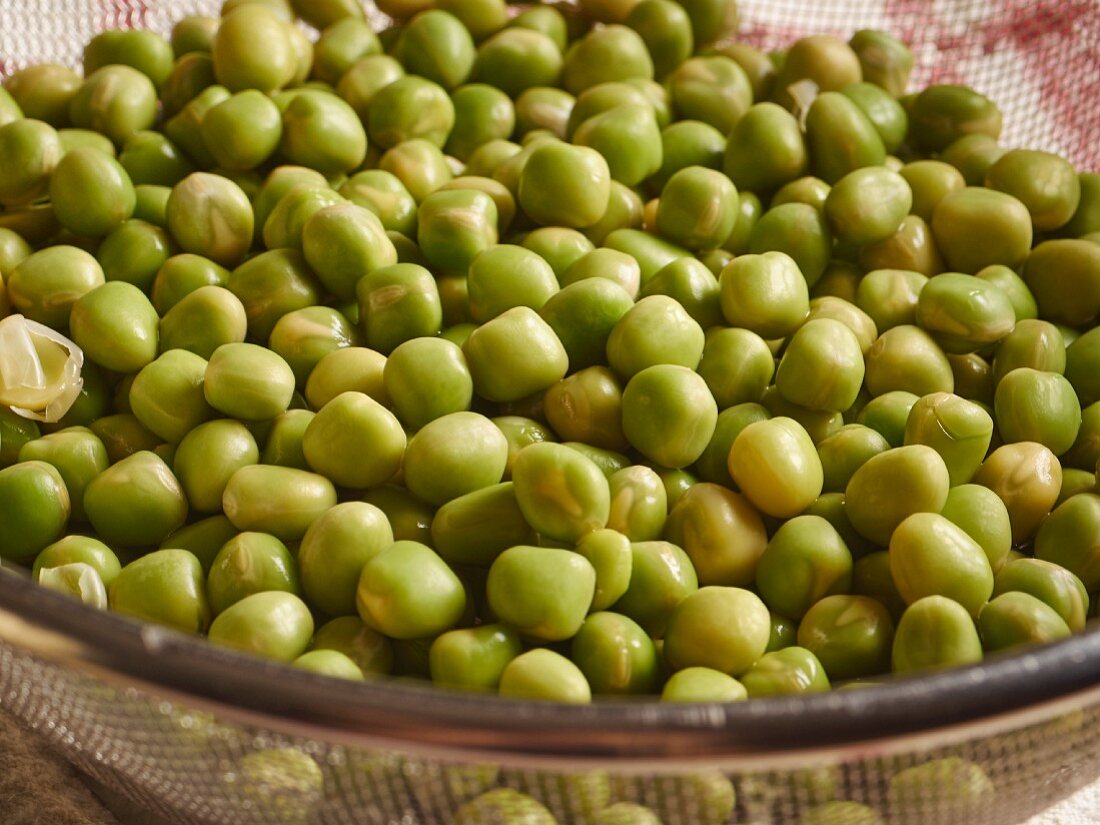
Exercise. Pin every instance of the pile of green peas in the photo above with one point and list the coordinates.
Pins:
(546, 350)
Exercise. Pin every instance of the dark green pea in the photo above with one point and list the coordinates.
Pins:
(116, 326)
(516, 59)
(748, 213)
(194, 33)
(935, 632)
(616, 655)
(477, 527)
(250, 563)
(135, 253)
(91, 193)
(791, 670)
(145, 51)
(851, 636)
(164, 587)
(941, 114)
(116, 101)
(203, 539)
(911, 248)
(1016, 618)
(840, 137)
(271, 285)
(43, 91)
(334, 550)
(369, 650)
(1075, 481)
(871, 577)
(123, 435)
(964, 313)
(1085, 451)
(712, 89)
(206, 459)
(1064, 277)
(1055, 586)
(36, 507)
(1086, 218)
(167, 395)
(651, 252)
(78, 456)
(151, 158)
(800, 231)
(893, 485)
(137, 502)
(973, 378)
(930, 181)
(181, 275)
(689, 143)
(1037, 406)
(765, 149)
(1001, 220)
(587, 407)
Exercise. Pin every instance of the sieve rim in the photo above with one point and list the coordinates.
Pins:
(410, 714)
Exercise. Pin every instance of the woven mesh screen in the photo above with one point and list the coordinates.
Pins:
(1040, 61)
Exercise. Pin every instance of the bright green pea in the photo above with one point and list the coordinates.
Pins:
(628, 138)
(271, 285)
(765, 149)
(1056, 586)
(31, 151)
(116, 326)
(661, 577)
(1032, 343)
(453, 455)
(537, 674)
(371, 652)
(665, 27)
(1064, 277)
(1065, 538)
(634, 344)
(211, 216)
(906, 358)
(36, 508)
(713, 89)
(437, 46)
(410, 108)
(1016, 618)
(791, 670)
(164, 587)
(516, 59)
(766, 294)
(930, 556)
(91, 193)
(935, 632)
(83, 550)
(799, 230)
(408, 592)
(610, 53)
(893, 485)
(248, 382)
(840, 137)
(134, 253)
(851, 636)
(515, 355)
(506, 276)
(484, 114)
(477, 527)
(116, 101)
(304, 336)
(203, 320)
(272, 624)
(611, 264)
(354, 441)
(167, 395)
(242, 131)
(805, 561)
(1037, 406)
(396, 304)
(723, 628)
(250, 563)
(577, 199)
(473, 658)
(137, 502)
(737, 366)
(207, 458)
(46, 285)
(282, 501)
(883, 110)
(615, 655)
(776, 466)
(320, 131)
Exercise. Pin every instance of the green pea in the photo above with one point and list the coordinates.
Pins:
(583, 315)
(123, 435)
(822, 368)
(91, 193)
(84, 551)
(43, 91)
(282, 501)
(454, 226)
(776, 466)
(204, 320)
(1064, 277)
(116, 326)
(852, 636)
(248, 382)
(47, 284)
(698, 208)
(633, 345)
(669, 414)
(410, 108)
(695, 684)
(354, 441)
(807, 190)
(1085, 451)
(1064, 538)
(959, 430)
(330, 663)
(713, 89)
(191, 74)
(805, 560)
(1055, 586)
(712, 465)
(36, 508)
(1027, 477)
(211, 216)
(615, 655)
(788, 671)
(473, 658)
(116, 101)
(578, 199)
(639, 503)
(283, 447)
(628, 138)
(272, 624)
(611, 264)
(941, 114)
(721, 532)
(194, 33)
(506, 276)
(369, 650)
(320, 131)
(134, 252)
(906, 358)
(661, 577)
(253, 49)
(477, 527)
(1039, 407)
(250, 563)
(408, 592)
(207, 458)
(137, 502)
(651, 252)
(587, 407)
(911, 248)
(426, 378)
(765, 149)
(1016, 618)
(766, 294)
(964, 313)
(181, 275)
(242, 131)
(453, 455)
(891, 486)
(1045, 183)
(203, 539)
(926, 545)
(868, 205)
(164, 587)
(561, 493)
(983, 516)
(690, 143)
(1001, 220)
(78, 456)
(799, 230)
(840, 137)
(515, 355)
(886, 114)
(935, 632)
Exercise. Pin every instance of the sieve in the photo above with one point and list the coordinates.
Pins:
(195, 734)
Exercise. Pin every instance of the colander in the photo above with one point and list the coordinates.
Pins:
(196, 734)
